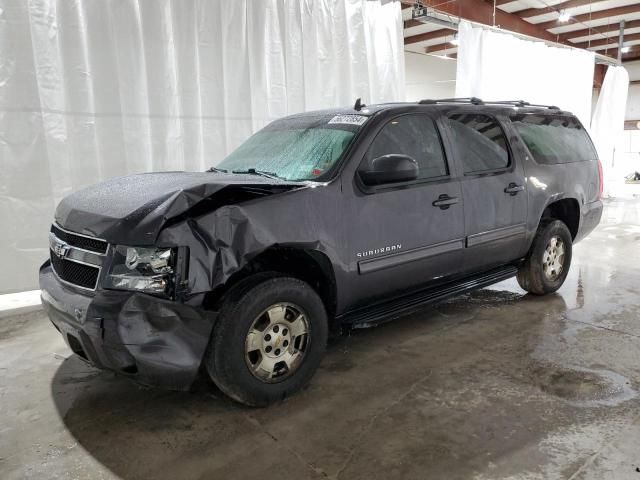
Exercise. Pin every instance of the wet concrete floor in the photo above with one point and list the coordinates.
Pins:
(491, 385)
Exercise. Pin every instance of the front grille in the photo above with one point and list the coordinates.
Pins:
(80, 241)
(76, 273)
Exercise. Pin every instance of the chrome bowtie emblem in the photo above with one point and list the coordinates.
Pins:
(61, 250)
(58, 247)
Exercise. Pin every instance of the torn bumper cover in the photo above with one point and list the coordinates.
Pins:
(158, 342)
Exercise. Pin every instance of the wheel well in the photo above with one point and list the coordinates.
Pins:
(310, 266)
(567, 210)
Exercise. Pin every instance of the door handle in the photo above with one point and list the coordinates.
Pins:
(444, 201)
(513, 189)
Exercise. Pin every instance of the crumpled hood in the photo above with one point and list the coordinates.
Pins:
(133, 209)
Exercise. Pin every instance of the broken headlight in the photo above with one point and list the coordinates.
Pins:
(143, 269)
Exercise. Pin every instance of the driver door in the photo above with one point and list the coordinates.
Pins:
(406, 235)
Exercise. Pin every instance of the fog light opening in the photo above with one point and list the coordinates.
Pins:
(76, 346)
(130, 369)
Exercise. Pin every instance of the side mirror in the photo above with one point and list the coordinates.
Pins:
(390, 169)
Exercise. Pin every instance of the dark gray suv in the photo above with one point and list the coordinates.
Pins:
(320, 221)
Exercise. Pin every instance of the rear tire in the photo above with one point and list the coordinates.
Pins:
(268, 341)
(547, 264)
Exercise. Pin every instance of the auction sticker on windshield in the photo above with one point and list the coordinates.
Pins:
(349, 119)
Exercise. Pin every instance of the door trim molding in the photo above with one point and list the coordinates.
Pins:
(497, 234)
(395, 259)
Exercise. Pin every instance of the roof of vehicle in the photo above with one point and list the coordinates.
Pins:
(519, 106)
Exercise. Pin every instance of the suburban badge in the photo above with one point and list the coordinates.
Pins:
(379, 251)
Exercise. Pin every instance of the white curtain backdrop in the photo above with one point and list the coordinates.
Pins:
(500, 66)
(607, 126)
(95, 89)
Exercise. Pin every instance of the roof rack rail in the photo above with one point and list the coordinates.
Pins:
(522, 103)
(473, 100)
(477, 101)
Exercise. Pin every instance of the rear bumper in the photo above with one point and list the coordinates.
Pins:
(157, 342)
(591, 213)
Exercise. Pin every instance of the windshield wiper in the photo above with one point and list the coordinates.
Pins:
(262, 173)
(217, 170)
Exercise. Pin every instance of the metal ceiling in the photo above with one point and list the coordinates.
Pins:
(589, 24)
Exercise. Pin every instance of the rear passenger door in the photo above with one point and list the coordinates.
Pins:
(493, 190)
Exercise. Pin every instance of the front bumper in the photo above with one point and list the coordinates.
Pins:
(156, 341)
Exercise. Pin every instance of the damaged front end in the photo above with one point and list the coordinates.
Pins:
(158, 341)
(131, 263)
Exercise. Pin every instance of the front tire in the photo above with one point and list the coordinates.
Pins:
(268, 341)
(547, 264)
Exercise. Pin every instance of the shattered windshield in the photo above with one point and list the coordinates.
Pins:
(299, 148)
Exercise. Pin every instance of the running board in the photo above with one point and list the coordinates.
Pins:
(392, 309)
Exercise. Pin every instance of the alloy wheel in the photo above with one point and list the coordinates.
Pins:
(553, 258)
(276, 342)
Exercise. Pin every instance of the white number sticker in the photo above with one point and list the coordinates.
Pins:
(349, 119)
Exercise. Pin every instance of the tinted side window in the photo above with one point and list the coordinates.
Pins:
(481, 141)
(554, 138)
(413, 135)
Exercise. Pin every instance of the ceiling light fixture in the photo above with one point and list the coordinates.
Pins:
(625, 49)
(564, 16)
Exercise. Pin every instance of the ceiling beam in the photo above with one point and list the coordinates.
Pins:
(533, 12)
(599, 15)
(610, 41)
(614, 27)
(423, 37)
(482, 12)
(412, 23)
(633, 52)
(439, 47)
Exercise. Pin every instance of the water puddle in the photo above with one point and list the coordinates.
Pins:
(581, 386)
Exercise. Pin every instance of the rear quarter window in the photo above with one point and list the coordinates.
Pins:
(554, 139)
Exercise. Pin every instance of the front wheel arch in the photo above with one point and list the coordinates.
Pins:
(311, 266)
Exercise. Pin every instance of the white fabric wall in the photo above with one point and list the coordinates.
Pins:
(607, 127)
(95, 89)
(499, 66)
(427, 76)
(633, 103)
(626, 161)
